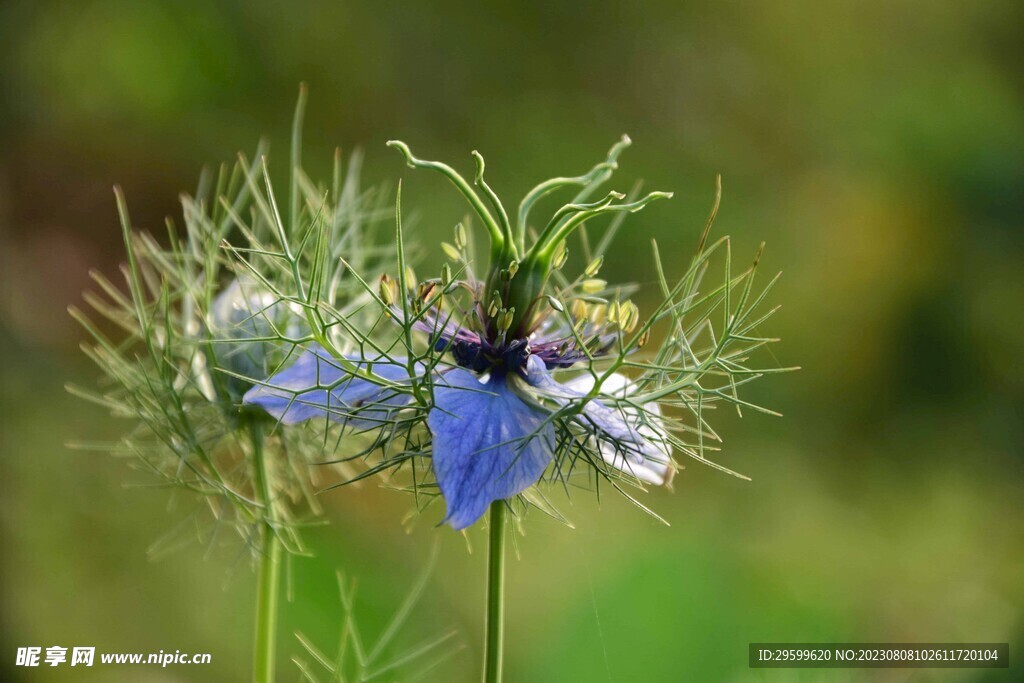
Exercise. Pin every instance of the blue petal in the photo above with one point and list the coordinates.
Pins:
(625, 440)
(488, 444)
(317, 386)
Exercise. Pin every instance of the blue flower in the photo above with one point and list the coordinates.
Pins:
(493, 432)
(497, 416)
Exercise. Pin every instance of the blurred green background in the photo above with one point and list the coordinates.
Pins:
(877, 147)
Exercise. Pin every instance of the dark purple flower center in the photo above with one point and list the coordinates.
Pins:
(481, 356)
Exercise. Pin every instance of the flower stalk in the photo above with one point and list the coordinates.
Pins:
(269, 577)
(494, 630)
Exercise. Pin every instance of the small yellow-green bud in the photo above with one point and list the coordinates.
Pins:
(593, 285)
(387, 290)
(631, 316)
(614, 308)
(460, 236)
(424, 290)
(579, 309)
(561, 255)
(505, 319)
(595, 267)
(451, 252)
(645, 336)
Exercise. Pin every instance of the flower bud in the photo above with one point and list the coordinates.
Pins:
(243, 310)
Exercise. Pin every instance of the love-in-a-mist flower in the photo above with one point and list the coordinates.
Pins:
(208, 308)
(521, 370)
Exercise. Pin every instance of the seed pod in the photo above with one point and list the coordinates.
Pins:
(555, 304)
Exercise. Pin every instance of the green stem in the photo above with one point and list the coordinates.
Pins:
(269, 578)
(495, 629)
